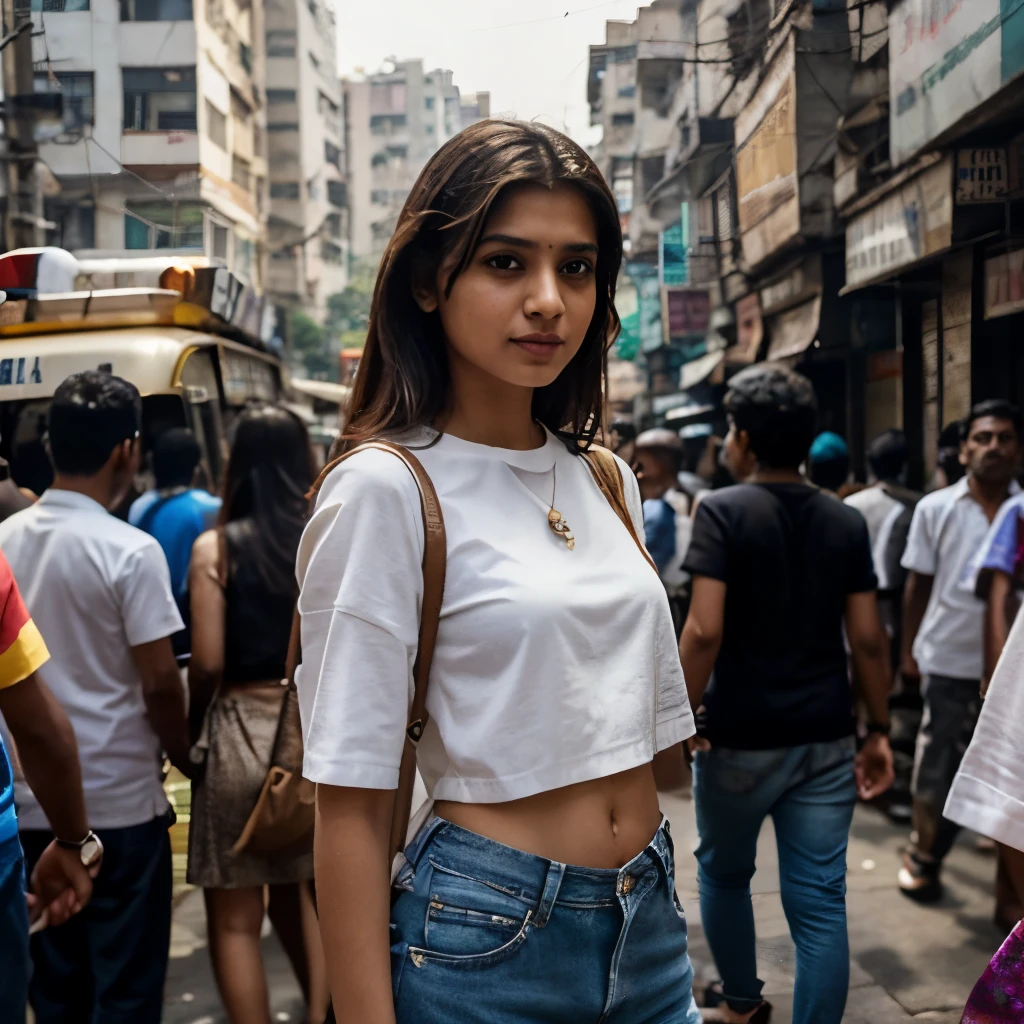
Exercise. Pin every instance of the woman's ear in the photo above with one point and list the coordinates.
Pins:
(424, 289)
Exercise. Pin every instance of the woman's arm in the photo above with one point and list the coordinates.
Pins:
(206, 597)
(353, 889)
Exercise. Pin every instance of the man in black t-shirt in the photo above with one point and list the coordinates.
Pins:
(779, 568)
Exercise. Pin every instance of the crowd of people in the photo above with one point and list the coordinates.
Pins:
(482, 589)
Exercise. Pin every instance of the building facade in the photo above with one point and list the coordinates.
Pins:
(396, 119)
(163, 143)
(307, 235)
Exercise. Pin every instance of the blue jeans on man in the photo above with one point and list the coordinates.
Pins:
(810, 793)
(14, 959)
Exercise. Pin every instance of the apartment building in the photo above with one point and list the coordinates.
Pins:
(396, 119)
(163, 140)
(308, 224)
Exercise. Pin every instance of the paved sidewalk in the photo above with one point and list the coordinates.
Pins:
(909, 963)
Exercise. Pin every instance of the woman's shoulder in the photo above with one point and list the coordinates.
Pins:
(367, 476)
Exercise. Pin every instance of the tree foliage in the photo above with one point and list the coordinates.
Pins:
(348, 312)
(312, 351)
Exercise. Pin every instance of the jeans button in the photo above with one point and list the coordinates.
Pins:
(626, 885)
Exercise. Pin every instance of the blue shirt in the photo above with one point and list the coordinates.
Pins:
(660, 531)
(175, 525)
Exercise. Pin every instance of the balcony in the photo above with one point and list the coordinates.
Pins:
(283, 276)
(159, 148)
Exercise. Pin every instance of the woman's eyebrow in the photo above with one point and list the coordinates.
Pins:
(526, 243)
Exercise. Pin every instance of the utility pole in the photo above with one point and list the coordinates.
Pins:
(25, 221)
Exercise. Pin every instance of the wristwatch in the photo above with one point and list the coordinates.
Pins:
(879, 728)
(90, 849)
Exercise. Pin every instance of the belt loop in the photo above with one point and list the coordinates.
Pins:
(422, 840)
(552, 883)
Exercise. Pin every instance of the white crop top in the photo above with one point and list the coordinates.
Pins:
(552, 666)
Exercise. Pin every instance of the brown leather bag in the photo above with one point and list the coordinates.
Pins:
(285, 809)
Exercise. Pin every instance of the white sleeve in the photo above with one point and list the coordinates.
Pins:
(920, 555)
(143, 586)
(359, 568)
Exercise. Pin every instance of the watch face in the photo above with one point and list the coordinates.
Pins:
(91, 851)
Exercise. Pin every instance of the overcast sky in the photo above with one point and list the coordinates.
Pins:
(528, 53)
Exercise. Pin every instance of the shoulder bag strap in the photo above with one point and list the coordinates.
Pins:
(608, 477)
(435, 561)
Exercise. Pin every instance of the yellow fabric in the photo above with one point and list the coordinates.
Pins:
(27, 654)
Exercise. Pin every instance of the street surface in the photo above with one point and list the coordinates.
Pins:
(908, 963)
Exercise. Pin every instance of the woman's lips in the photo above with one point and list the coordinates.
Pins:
(543, 346)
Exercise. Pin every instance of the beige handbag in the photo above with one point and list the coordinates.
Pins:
(285, 808)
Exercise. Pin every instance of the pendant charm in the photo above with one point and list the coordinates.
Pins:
(558, 524)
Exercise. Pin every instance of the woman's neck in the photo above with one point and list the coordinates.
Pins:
(489, 411)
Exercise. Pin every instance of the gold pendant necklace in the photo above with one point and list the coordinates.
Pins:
(557, 521)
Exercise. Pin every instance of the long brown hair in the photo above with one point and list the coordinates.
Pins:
(403, 379)
(269, 471)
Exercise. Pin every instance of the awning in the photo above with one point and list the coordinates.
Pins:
(688, 412)
(325, 390)
(794, 331)
(698, 370)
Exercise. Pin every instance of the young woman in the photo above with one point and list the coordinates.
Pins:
(543, 888)
(242, 591)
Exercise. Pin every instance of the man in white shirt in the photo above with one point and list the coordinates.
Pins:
(943, 623)
(100, 591)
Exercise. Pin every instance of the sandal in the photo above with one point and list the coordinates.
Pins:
(919, 879)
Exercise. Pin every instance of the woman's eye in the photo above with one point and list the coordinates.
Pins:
(502, 262)
(577, 268)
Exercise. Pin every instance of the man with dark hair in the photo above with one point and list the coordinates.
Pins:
(943, 626)
(778, 569)
(888, 506)
(948, 469)
(175, 512)
(828, 463)
(100, 592)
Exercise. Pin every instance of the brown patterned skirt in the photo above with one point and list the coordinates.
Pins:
(242, 725)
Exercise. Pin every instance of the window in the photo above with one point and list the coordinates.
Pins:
(284, 190)
(428, 102)
(429, 129)
(337, 193)
(216, 126)
(76, 88)
(378, 159)
(163, 226)
(283, 126)
(245, 252)
(240, 172)
(156, 10)
(159, 99)
(622, 119)
(281, 95)
(330, 253)
(220, 242)
(314, 60)
(332, 154)
(379, 196)
(58, 6)
(325, 105)
(626, 91)
(281, 43)
(332, 224)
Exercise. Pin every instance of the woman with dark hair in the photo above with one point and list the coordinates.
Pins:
(242, 590)
(542, 888)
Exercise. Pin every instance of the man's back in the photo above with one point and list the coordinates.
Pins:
(96, 587)
(789, 555)
(175, 519)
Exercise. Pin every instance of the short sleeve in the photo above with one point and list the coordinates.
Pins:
(708, 554)
(920, 555)
(861, 576)
(143, 586)
(998, 552)
(360, 572)
(22, 650)
(660, 532)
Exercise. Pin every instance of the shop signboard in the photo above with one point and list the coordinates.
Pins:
(982, 176)
(947, 58)
(797, 284)
(685, 312)
(909, 224)
(766, 161)
(1004, 284)
(648, 299)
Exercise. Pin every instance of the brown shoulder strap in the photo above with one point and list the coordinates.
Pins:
(606, 473)
(435, 561)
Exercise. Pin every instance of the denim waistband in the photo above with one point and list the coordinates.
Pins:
(534, 879)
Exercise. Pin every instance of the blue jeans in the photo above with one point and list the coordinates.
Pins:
(14, 960)
(107, 965)
(485, 934)
(810, 792)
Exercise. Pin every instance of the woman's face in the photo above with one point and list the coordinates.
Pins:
(520, 310)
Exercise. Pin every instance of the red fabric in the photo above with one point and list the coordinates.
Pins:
(13, 613)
